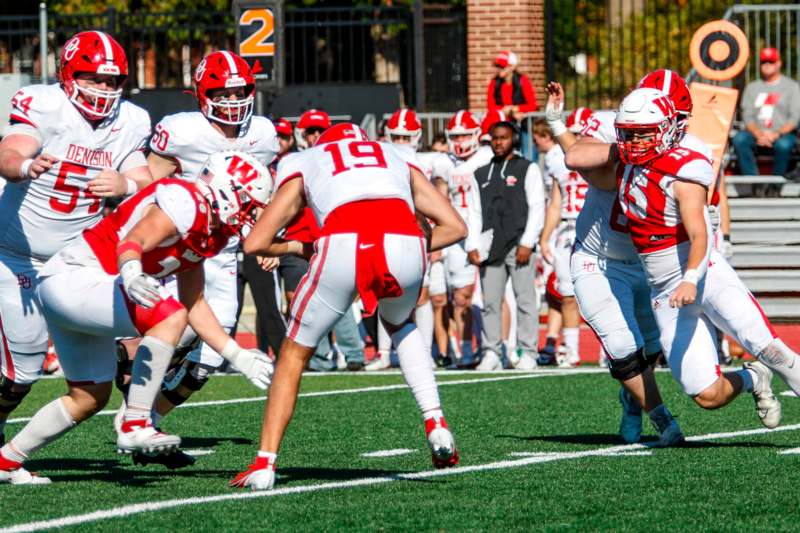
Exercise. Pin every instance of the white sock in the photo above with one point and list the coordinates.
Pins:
(415, 363)
(571, 336)
(384, 340)
(48, 424)
(783, 361)
(149, 366)
(433, 413)
(423, 317)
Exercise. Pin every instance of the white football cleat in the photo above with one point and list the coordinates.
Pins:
(441, 442)
(258, 476)
(141, 436)
(381, 362)
(13, 473)
(490, 362)
(511, 355)
(768, 408)
(119, 418)
(567, 358)
(526, 362)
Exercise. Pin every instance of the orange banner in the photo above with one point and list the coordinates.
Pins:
(712, 116)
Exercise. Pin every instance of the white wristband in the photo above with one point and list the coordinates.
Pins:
(557, 127)
(24, 168)
(691, 276)
(132, 187)
(230, 351)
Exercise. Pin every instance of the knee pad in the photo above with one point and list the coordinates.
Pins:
(628, 367)
(652, 358)
(185, 380)
(12, 394)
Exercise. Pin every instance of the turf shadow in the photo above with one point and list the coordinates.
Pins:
(336, 474)
(593, 439)
(210, 442)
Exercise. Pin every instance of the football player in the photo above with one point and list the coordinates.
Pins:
(347, 179)
(612, 291)
(662, 191)
(224, 86)
(404, 129)
(461, 260)
(68, 146)
(105, 285)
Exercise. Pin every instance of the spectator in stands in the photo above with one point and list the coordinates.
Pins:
(512, 202)
(770, 110)
(512, 93)
(439, 143)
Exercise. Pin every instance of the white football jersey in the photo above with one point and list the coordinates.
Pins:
(435, 164)
(601, 227)
(571, 184)
(190, 139)
(39, 217)
(346, 171)
(465, 195)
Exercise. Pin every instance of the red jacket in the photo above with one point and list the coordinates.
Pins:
(526, 96)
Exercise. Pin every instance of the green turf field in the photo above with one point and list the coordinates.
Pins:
(539, 452)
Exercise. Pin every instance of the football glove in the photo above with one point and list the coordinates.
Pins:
(141, 288)
(254, 364)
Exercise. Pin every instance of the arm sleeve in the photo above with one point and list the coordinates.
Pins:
(490, 103)
(534, 194)
(474, 217)
(178, 204)
(528, 92)
(747, 105)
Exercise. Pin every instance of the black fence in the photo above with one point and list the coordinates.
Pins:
(323, 45)
(445, 35)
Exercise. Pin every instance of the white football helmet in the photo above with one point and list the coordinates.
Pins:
(404, 123)
(235, 185)
(463, 123)
(646, 125)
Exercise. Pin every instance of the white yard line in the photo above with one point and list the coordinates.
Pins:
(379, 388)
(389, 453)
(138, 508)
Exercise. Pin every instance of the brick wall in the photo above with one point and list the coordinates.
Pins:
(494, 25)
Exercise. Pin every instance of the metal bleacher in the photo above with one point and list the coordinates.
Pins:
(765, 233)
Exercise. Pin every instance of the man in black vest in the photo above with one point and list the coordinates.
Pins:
(513, 205)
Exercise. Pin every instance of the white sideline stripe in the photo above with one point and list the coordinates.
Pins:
(791, 451)
(617, 454)
(198, 453)
(789, 393)
(209, 403)
(389, 453)
(128, 510)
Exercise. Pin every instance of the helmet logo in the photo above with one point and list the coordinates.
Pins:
(242, 170)
(108, 69)
(664, 104)
(201, 69)
(235, 81)
(71, 48)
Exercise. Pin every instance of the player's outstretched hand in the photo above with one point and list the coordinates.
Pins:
(685, 294)
(41, 164)
(108, 184)
(555, 101)
(256, 367)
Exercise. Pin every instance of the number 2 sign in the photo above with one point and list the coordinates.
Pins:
(259, 35)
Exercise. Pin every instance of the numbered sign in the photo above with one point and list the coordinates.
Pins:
(259, 38)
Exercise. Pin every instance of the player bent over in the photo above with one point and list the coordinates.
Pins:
(105, 285)
(364, 194)
(662, 192)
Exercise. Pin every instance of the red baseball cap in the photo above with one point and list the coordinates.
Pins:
(284, 127)
(506, 58)
(314, 118)
(769, 55)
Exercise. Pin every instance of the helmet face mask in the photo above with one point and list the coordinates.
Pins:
(463, 134)
(88, 60)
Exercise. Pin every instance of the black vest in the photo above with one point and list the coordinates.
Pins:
(503, 203)
(517, 97)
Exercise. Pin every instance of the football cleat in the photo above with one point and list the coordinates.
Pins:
(13, 473)
(526, 362)
(141, 436)
(381, 362)
(443, 447)
(567, 358)
(547, 355)
(768, 408)
(258, 476)
(490, 362)
(630, 426)
(51, 364)
(173, 460)
(669, 432)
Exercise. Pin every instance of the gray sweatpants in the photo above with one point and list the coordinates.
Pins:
(493, 283)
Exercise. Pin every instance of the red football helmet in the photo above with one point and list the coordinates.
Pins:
(225, 70)
(646, 126)
(492, 117)
(578, 119)
(341, 132)
(670, 83)
(313, 118)
(463, 123)
(98, 53)
(284, 127)
(404, 123)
